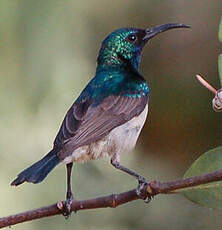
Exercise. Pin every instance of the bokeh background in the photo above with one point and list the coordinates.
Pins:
(48, 51)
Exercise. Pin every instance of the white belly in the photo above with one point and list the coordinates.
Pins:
(120, 140)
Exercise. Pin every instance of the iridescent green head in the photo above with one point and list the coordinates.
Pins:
(125, 45)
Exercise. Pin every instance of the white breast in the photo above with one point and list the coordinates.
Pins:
(120, 140)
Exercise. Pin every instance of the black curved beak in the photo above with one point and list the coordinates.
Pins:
(161, 28)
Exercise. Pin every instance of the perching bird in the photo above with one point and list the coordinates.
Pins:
(109, 114)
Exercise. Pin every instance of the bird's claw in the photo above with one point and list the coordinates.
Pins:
(142, 180)
(144, 195)
(67, 207)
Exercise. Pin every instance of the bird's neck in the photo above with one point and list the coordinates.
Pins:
(119, 74)
(117, 65)
(108, 59)
(123, 79)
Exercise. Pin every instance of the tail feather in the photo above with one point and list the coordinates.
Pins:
(38, 171)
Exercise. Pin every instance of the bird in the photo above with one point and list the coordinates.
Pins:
(107, 117)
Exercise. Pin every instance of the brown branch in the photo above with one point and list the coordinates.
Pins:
(114, 200)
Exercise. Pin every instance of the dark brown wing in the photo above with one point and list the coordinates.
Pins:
(86, 123)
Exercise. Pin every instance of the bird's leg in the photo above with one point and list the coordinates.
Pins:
(141, 180)
(69, 195)
(115, 162)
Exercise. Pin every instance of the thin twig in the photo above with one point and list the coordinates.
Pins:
(152, 189)
(206, 84)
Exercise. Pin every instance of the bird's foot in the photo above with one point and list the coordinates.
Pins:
(144, 195)
(67, 207)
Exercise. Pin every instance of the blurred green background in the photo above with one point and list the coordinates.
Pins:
(48, 51)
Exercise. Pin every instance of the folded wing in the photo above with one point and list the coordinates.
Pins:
(87, 122)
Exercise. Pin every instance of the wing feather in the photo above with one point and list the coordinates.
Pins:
(87, 122)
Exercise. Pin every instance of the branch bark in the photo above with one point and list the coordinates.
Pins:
(151, 189)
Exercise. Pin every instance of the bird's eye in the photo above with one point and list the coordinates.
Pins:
(132, 38)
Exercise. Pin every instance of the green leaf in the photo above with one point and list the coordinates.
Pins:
(220, 30)
(209, 195)
(220, 68)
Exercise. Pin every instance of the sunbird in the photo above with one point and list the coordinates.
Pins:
(107, 117)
